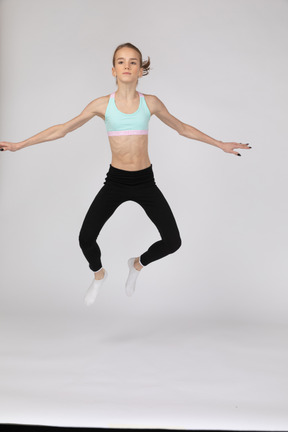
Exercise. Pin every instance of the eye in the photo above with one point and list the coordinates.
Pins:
(120, 61)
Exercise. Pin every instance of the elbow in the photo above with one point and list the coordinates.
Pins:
(182, 129)
(62, 131)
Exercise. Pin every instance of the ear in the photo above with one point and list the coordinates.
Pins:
(113, 71)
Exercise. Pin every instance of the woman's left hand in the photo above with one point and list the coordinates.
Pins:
(229, 147)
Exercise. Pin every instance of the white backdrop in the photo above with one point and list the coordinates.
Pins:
(220, 66)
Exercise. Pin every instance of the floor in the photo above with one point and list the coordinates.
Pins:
(172, 372)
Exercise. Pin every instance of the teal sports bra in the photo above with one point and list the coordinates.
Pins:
(119, 123)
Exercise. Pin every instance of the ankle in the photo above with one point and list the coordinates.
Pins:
(137, 264)
(99, 274)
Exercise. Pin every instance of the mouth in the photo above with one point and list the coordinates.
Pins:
(126, 73)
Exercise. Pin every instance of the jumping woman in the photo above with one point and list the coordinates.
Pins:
(126, 113)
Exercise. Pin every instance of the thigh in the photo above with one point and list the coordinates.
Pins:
(158, 210)
(101, 209)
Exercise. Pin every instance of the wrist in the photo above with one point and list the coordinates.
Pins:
(219, 144)
(20, 145)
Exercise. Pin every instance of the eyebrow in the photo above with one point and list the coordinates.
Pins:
(132, 58)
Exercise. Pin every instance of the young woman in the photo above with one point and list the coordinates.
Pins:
(126, 113)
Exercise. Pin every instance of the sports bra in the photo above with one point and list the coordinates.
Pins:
(119, 123)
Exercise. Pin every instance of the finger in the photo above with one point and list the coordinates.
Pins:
(245, 146)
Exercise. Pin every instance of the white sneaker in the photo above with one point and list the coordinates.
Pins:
(93, 290)
(132, 277)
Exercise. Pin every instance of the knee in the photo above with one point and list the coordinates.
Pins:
(175, 244)
(87, 238)
(80, 241)
(83, 240)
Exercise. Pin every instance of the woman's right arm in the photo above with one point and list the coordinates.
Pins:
(59, 131)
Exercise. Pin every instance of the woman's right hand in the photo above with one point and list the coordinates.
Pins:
(5, 145)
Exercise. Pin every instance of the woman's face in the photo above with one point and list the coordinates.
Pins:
(127, 60)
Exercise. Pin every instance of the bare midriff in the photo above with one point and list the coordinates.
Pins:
(130, 152)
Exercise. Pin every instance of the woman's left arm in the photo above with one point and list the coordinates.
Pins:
(188, 131)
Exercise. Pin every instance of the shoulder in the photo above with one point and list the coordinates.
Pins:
(155, 105)
(98, 106)
(158, 108)
(101, 100)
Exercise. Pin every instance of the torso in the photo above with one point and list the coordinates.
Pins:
(129, 152)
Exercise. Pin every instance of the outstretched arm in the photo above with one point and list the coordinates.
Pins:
(60, 130)
(160, 110)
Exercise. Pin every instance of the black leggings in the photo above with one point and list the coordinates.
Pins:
(120, 186)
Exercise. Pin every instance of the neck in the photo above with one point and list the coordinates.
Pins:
(127, 91)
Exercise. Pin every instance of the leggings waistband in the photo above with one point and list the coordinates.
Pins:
(131, 178)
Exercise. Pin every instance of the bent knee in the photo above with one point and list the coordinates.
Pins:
(174, 244)
(178, 243)
(83, 241)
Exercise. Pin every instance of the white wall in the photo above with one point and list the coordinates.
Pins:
(220, 66)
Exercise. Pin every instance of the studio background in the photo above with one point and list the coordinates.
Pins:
(220, 66)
